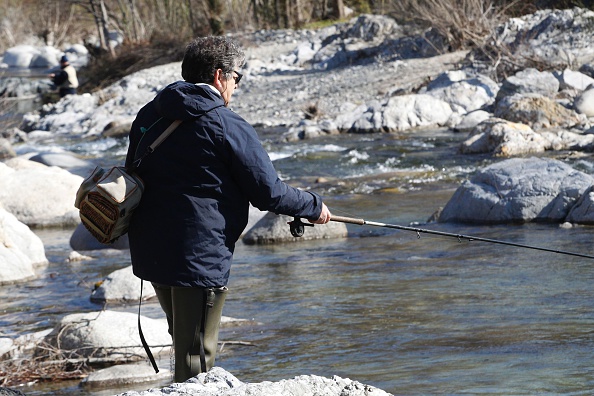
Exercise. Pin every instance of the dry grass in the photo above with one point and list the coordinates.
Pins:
(463, 24)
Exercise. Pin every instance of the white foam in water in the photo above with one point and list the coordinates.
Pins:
(357, 156)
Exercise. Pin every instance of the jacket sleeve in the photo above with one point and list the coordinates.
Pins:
(254, 172)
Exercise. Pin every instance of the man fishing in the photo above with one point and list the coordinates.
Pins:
(65, 80)
(198, 187)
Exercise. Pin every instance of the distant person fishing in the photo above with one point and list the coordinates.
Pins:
(65, 80)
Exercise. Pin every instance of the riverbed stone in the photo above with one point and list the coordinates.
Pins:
(551, 38)
(573, 80)
(125, 375)
(274, 228)
(470, 120)
(39, 196)
(122, 286)
(506, 139)
(503, 138)
(583, 211)
(108, 335)
(529, 81)
(19, 56)
(65, 160)
(6, 345)
(518, 190)
(217, 382)
(82, 240)
(6, 150)
(584, 102)
(463, 92)
(537, 111)
(20, 250)
(412, 111)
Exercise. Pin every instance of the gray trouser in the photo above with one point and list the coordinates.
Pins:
(185, 308)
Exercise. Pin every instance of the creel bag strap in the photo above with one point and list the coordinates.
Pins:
(157, 142)
(142, 339)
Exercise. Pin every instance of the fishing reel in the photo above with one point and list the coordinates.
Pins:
(297, 227)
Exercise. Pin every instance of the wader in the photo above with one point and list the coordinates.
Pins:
(193, 315)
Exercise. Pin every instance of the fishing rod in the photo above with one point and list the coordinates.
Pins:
(297, 228)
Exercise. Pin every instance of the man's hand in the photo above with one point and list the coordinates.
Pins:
(325, 216)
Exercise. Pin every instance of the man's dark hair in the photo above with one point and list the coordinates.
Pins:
(205, 55)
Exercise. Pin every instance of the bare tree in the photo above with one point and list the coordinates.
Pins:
(338, 9)
(213, 9)
(98, 10)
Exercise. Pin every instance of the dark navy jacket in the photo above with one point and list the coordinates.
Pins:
(198, 184)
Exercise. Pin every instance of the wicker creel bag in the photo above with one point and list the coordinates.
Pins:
(107, 198)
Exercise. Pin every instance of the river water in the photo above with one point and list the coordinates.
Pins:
(407, 314)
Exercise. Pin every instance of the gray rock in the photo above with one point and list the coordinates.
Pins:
(124, 375)
(20, 250)
(108, 335)
(6, 346)
(553, 38)
(122, 286)
(471, 120)
(39, 195)
(274, 228)
(537, 111)
(82, 240)
(583, 211)
(572, 79)
(65, 160)
(584, 103)
(412, 111)
(6, 150)
(219, 382)
(118, 128)
(588, 69)
(518, 190)
(529, 81)
(503, 138)
(463, 93)
(357, 40)
(566, 140)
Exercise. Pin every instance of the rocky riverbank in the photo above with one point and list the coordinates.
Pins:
(364, 76)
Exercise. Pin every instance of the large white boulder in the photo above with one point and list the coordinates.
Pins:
(518, 190)
(109, 335)
(19, 56)
(39, 195)
(464, 93)
(20, 250)
(412, 111)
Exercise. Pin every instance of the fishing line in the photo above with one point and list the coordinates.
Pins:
(297, 228)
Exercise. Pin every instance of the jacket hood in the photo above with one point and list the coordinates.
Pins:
(182, 101)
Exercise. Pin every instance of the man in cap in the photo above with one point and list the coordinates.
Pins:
(65, 80)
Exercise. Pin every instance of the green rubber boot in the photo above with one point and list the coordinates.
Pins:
(187, 309)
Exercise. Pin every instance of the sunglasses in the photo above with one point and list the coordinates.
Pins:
(238, 78)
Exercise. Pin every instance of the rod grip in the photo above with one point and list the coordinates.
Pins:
(350, 220)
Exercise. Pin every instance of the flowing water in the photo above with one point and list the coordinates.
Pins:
(407, 314)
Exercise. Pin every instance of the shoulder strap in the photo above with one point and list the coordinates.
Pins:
(157, 142)
(163, 136)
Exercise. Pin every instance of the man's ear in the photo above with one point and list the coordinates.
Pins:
(218, 77)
